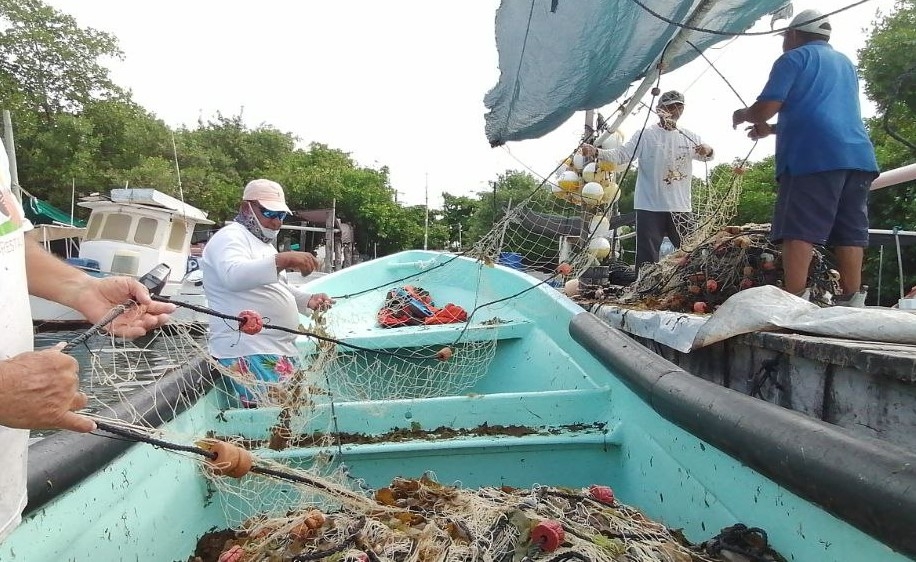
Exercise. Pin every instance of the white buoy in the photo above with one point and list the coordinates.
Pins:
(571, 288)
(578, 161)
(599, 247)
(592, 192)
(570, 181)
(590, 172)
(610, 191)
(599, 226)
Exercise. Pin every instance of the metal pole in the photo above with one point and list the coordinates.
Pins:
(72, 200)
(329, 249)
(426, 222)
(899, 259)
(11, 154)
(880, 267)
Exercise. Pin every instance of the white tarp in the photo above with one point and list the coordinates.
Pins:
(760, 309)
(770, 308)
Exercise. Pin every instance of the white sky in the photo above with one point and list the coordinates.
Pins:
(397, 83)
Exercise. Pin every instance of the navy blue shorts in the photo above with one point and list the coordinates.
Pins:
(828, 208)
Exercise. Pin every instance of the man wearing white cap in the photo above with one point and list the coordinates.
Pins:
(825, 162)
(243, 271)
(663, 187)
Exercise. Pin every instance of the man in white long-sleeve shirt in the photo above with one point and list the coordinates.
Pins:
(243, 271)
(665, 153)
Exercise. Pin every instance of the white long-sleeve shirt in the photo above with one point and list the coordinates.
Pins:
(665, 167)
(240, 273)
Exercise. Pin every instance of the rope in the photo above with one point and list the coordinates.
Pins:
(95, 328)
(137, 436)
(211, 312)
(740, 33)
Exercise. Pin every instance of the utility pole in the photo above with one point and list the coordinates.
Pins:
(426, 222)
(330, 251)
(11, 153)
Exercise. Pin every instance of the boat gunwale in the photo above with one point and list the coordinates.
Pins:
(63, 460)
(865, 482)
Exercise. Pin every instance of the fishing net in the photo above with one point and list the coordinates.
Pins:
(422, 519)
(700, 278)
(574, 218)
(310, 505)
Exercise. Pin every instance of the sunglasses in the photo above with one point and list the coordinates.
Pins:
(268, 214)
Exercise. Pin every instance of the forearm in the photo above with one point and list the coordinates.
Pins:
(52, 279)
(615, 156)
(761, 111)
(249, 274)
(302, 297)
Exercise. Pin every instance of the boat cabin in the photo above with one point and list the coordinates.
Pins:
(136, 229)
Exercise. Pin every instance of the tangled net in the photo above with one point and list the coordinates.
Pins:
(702, 278)
(422, 520)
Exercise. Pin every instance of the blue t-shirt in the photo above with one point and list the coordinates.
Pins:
(820, 124)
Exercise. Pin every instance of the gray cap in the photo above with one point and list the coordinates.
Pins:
(671, 97)
(802, 22)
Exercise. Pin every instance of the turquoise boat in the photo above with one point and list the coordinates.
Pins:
(558, 399)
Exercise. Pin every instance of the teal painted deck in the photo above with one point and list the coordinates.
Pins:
(587, 427)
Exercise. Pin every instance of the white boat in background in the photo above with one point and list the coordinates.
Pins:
(130, 233)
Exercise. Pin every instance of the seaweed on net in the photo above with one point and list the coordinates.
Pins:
(422, 520)
(702, 277)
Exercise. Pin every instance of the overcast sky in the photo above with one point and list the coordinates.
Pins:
(397, 83)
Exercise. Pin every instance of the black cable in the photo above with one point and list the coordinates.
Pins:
(741, 33)
(138, 436)
(211, 312)
(722, 76)
(134, 435)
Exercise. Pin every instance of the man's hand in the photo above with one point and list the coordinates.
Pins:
(320, 301)
(738, 117)
(304, 262)
(758, 131)
(100, 295)
(40, 390)
(703, 150)
(588, 151)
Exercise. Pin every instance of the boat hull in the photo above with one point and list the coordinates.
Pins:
(587, 404)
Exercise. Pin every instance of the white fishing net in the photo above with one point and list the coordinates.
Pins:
(297, 507)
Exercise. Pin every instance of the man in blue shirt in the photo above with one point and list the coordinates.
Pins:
(825, 162)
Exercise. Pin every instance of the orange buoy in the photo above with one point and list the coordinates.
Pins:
(548, 535)
(603, 494)
(231, 460)
(250, 322)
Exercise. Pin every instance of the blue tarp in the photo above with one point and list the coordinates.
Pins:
(557, 57)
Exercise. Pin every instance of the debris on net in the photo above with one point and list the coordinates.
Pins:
(701, 278)
(423, 520)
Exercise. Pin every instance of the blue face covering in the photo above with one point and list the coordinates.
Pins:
(254, 226)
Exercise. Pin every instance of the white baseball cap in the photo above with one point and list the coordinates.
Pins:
(802, 22)
(268, 194)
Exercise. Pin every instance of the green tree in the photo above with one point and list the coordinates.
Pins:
(888, 68)
(48, 63)
(457, 211)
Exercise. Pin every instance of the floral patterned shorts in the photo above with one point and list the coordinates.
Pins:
(248, 371)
